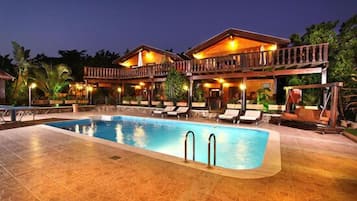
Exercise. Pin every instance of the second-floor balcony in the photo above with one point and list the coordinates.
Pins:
(283, 58)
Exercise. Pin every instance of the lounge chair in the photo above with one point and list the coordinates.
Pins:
(179, 111)
(164, 111)
(229, 114)
(251, 116)
(3, 112)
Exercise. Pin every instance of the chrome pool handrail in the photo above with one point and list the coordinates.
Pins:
(193, 145)
(209, 150)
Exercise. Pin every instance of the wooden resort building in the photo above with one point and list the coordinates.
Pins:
(217, 66)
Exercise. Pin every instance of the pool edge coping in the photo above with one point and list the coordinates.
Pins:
(271, 164)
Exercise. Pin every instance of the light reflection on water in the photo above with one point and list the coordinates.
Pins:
(119, 134)
(139, 136)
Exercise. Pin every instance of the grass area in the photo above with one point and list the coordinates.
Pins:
(353, 131)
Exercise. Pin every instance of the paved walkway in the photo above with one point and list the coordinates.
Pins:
(39, 164)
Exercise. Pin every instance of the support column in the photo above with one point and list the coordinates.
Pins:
(190, 93)
(334, 105)
(287, 103)
(275, 91)
(324, 81)
(151, 92)
(87, 92)
(243, 88)
(324, 76)
(119, 90)
(122, 89)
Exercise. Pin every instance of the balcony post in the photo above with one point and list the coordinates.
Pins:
(188, 67)
(150, 71)
(244, 91)
(334, 106)
(325, 52)
(324, 81)
(151, 92)
(85, 71)
(320, 53)
(190, 93)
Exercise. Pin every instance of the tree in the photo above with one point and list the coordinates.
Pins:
(51, 80)
(316, 34)
(23, 66)
(344, 62)
(321, 33)
(342, 49)
(75, 60)
(174, 86)
(103, 58)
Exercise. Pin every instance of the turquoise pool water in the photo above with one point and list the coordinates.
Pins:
(237, 148)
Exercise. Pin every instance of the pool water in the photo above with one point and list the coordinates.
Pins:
(237, 148)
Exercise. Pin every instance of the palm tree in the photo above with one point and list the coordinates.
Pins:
(51, 79)
(23, 67)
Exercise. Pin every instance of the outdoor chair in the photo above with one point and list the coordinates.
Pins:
(164, 111)
(3, 113)
(229, 114)
(251, 116)
(179, 111)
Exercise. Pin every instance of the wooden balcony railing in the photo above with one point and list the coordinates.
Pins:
(100, 72)
(298, 56)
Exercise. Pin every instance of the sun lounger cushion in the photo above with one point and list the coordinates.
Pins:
(180, 110)
(229, 114)
(251, 115)
(167, 109)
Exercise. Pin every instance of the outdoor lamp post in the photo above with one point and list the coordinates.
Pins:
(119, 95)
(243, 88)
(31, 86)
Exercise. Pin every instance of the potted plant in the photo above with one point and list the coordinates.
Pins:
(70, 101)
(198, 97)
(181, 104)
(56, 102)
(169, 103)
(126, 100)
(263, 98)
(144, 102)
(138, 100)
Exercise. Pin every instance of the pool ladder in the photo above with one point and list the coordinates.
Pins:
(193, 145)
(209, 148)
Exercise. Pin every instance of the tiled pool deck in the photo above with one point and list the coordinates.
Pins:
(40, 164)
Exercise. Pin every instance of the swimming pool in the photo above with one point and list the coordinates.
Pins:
(237, 148)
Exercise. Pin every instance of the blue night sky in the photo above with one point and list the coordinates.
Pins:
(46, 26)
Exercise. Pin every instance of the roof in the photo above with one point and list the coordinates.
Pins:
(174, 56)
(238, 33)
(5, 76)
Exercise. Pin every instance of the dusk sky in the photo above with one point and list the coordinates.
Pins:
(46, 26)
